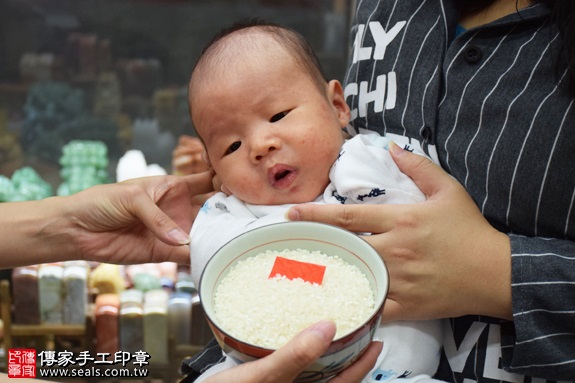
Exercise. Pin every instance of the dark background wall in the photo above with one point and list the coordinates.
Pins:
(122, 62)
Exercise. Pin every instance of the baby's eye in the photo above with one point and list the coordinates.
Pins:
(279, 116)
(233, 147)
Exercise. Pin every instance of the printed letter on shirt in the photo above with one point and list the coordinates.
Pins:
(381, 38)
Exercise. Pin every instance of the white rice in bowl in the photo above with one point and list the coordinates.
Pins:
(268, 312)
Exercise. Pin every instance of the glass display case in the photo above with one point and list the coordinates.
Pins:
(116, 72)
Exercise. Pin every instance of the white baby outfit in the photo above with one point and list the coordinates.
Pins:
(364, 173)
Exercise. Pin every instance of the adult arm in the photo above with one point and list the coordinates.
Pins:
(539, 341)
(136, 221)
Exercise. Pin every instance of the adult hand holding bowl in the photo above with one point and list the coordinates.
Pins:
(296, 236)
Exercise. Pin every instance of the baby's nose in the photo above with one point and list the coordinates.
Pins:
(263, 147)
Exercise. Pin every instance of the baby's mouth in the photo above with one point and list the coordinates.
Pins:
(281, 176)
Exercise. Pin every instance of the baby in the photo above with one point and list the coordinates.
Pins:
(272, 126)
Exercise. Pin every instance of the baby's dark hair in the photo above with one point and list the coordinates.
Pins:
(293, 41)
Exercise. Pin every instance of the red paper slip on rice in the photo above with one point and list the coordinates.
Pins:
(291, 269)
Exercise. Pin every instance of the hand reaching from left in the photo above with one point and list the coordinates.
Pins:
(141, 220)
(138, 221)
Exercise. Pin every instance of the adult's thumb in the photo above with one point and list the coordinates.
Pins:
(426, 175)
(303, 350)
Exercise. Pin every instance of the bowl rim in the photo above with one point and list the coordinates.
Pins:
(263, 351)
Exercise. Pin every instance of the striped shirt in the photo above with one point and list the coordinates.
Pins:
(491, 106)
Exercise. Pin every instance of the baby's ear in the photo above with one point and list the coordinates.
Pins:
(206, 158)
(337, 99)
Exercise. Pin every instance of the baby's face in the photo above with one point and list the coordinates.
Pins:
(271, 134)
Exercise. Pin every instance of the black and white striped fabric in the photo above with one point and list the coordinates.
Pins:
(491, 105)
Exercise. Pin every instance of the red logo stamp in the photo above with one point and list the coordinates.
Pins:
(21, 363)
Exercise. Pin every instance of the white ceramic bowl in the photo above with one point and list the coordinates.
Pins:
(311, 236)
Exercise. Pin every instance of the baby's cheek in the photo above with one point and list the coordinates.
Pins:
(319, 186)
(245, 187)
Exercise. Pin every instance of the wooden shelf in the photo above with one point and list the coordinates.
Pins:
(46, 329)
